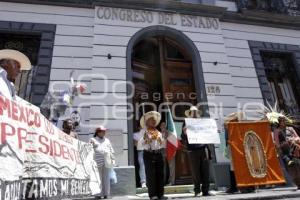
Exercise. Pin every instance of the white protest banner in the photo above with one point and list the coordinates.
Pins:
(38, 161)
(202, 131)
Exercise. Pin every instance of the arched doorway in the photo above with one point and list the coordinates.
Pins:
(162, 71)
(161, 62)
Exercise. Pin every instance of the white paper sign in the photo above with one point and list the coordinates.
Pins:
(202, 131)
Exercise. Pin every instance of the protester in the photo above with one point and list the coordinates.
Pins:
(286, 135)
(142, 173)
(168, 164)
(104, 157)
(233, 117)
(199, 156)
(152, 142)
(287, 142)
(68, 127)
(11, 64)
(164, 133)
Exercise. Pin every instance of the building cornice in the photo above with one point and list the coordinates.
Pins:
(66, 3)
(166, 6)
(251, 17)
(262, 18)
(154, 5)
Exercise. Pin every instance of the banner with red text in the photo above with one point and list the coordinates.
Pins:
(38, 161)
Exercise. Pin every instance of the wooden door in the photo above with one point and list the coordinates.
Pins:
(178, 83)
(146, 77)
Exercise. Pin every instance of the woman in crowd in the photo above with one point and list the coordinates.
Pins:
(152, 142)
(104, 157)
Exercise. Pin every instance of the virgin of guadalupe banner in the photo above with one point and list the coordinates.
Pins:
(253, 154)
(38, 161)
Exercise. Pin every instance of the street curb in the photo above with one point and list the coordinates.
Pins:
(266, 194)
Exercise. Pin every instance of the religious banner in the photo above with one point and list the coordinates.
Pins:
(202, 131)
(253, 154)
(38, 161)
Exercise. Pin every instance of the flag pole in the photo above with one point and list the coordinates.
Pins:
(144, 111)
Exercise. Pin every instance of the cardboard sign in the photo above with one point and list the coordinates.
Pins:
(38, 161)
(202, 131)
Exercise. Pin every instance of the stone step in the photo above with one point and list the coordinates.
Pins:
(170, 189)
(174, 189)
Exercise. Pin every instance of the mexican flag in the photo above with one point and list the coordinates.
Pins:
(172, 141)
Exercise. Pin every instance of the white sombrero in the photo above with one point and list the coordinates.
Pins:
(189, 111)
(148, 115)
(17, 56)
(234, 116)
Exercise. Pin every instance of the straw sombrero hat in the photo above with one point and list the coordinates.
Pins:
(17, 56)
(234, 116)
(189, 111)
(148, 115)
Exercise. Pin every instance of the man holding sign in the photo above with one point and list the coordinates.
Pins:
(197, 134)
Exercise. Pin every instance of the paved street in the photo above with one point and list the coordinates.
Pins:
(286, 193)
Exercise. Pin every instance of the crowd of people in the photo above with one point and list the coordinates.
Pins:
(151, 139)
(150, 143)
(287, 143)
(12, 62)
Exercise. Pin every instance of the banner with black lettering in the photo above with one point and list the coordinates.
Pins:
(39, 161)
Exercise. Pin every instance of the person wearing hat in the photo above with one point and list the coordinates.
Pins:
(152, 143)
(11, 64)
(199, 156)
(103, 152)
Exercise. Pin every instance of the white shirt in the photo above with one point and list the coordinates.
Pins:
(7, 88)
(137, 136)
(154, 145)
(101, 147)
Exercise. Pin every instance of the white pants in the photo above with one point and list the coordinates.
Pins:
(105, 180)
(142, 166)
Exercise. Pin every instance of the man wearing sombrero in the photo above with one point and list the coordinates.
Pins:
(11, 64)
(152, 143)
(199, 156)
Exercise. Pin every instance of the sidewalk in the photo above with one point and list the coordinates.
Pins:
(278, 193)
